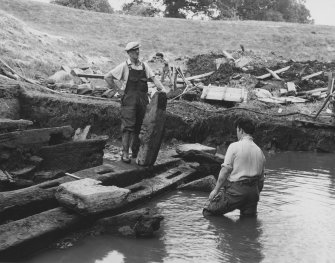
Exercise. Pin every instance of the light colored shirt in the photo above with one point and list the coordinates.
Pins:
(121, 72)
(244, 159)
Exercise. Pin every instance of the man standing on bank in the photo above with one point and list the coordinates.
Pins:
(134, 75)
(241, 176)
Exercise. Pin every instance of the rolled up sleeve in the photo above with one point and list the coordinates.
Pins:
(229, 158)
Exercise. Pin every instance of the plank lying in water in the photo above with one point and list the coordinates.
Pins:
(25, 202)
(27, 234)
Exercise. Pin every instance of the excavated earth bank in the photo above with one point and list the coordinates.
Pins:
(186, 121)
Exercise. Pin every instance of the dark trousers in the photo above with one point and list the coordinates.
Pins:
(133, 108)
(242, 195)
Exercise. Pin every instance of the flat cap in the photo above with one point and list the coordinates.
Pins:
(132, 45)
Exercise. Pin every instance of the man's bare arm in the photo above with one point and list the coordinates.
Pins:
(223, 175)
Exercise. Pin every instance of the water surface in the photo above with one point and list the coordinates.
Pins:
(295, 223)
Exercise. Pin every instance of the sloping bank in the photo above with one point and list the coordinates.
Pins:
(185, 121)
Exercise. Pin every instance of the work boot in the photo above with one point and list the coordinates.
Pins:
(125, 147)
(135, 145)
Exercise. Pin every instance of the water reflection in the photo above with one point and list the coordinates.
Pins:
(238, 238)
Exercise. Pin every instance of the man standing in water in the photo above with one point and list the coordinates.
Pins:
(241, 176)
(134, 75)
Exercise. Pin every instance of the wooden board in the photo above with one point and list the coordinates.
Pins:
(8, 124)
(31, 232)
(25, 202)
(224, 93)
(35, 138)
(73, 156)
(152, 130)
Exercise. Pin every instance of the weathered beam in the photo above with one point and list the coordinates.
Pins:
(25, 202)
(39, 229)
(9, 124)
(140, 223)
(152, 130)
(22, 237)
(73, 156)
(35, 138)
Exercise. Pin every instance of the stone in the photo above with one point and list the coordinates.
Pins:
(206, 184)
(88, 196)
(195, 146)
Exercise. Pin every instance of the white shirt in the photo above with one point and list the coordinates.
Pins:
(244, 159)
(121, 72)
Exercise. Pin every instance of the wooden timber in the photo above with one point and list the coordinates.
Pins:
(152, 130)
(35, 138)
(275, 71)
(73, 156)
(28, 234)
(224, 93)
(141, 222)
(25, 202)
(8, 124)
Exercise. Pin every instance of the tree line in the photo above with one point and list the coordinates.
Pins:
(294, 11)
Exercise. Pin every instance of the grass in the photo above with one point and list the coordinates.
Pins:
(40, 37)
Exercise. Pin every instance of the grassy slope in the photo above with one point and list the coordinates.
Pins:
(48, 35)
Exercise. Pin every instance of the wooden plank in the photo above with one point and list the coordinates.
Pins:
(197, 76)
(311, 91)
(9, 124)
(152, 130)
(273, 74)
(312, 75)
(73, 156)
(32, 231)
(35, 138)
(25, 202)
(276, 71)
(224, 93)
(90, 76)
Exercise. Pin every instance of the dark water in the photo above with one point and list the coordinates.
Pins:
(295, 223)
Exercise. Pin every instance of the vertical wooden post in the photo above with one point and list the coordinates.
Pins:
(152, 130)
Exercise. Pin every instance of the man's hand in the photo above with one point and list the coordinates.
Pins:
(212, 195)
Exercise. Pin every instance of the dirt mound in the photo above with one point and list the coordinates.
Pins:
(206, 62)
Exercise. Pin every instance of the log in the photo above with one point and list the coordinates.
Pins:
(276, 71)
(73, 156)
(8, 124)
(140, 223)
(35, 138)
(25, 202)
(152, 129)
(206, 184)
(38, 230)
(22, 237)
(312, 75)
